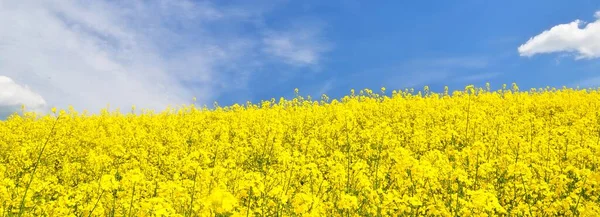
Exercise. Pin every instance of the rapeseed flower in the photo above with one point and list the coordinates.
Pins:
(475, 152)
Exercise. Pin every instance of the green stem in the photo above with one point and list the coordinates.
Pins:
(96, 204)
(131, 203)
(22, 206)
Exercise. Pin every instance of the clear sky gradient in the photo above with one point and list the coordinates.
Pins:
(90, 53)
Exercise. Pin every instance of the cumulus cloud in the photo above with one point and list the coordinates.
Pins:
(146, 53)
(570, 37)
(13, 96)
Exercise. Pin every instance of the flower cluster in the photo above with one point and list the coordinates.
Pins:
(475, 152)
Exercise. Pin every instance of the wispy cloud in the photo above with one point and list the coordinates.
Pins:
(425, 71)
(297, 46)
(329, 84)
(570, 38)
(592, 82)
(459, 62)
(417, 78)
(149, 53)
(477, 77)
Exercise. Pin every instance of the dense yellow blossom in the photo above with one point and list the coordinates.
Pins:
(475, 152)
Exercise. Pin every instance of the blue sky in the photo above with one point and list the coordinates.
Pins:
(155, 53)
(400, 44)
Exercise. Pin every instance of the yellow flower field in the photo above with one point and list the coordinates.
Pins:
(477, 152)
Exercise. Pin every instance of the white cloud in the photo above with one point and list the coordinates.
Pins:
(90, 55)
(419, 72)
(593, 82)
(478, 77)
(566, 38)
(149, 53)
(297, 47)
(13, 96)
(326, 87)
(465, 62)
